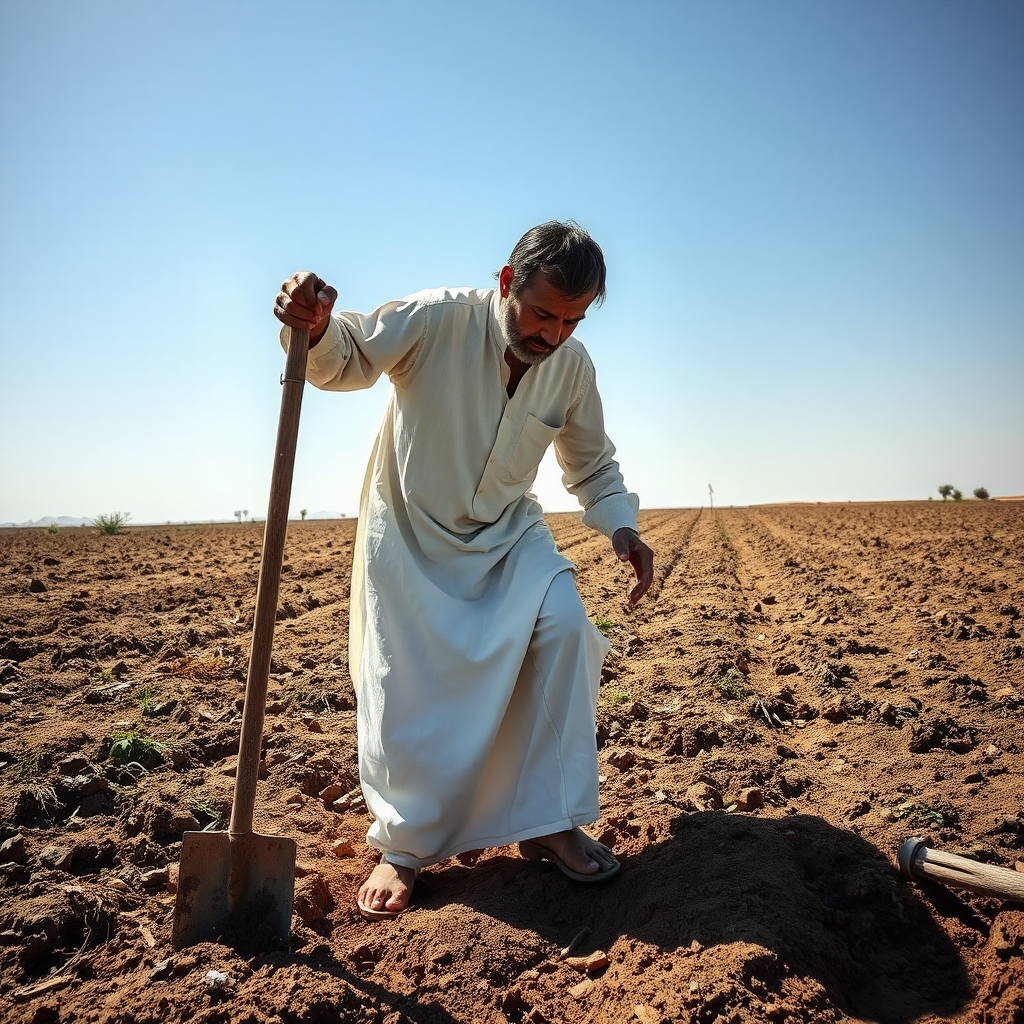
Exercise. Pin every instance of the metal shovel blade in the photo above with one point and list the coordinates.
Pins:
(239, 887)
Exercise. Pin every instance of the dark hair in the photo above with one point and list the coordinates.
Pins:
(565, 254)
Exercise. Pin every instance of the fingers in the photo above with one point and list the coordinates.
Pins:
(630, 548)
(305, 301)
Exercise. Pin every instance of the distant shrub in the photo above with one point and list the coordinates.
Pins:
(54, 528)
(981, 494)
(946, 490)
(111, 522)
(958, 495)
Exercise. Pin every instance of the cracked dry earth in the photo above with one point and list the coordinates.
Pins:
(804, 687)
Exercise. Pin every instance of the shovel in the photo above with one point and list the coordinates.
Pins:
(238, 884)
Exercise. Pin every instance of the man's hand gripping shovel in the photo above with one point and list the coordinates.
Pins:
(237, 884)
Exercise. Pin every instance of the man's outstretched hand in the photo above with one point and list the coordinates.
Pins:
(305, 301)
(630, 548)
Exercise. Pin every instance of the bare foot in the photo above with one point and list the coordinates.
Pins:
(578, 851)
(386, 893)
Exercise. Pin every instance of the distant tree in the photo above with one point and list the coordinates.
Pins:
(981, 494)
(958, 495)
(238, 514)
(946, 490)
(111, 523)
(302, 512)
(245, 514)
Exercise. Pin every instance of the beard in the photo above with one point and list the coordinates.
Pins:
(517, 342)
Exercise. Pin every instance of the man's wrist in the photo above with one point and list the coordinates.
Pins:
(315, 337)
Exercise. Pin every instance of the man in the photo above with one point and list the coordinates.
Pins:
(475, 665)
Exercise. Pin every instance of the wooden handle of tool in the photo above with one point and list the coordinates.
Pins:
(269, 586)
(917, 861)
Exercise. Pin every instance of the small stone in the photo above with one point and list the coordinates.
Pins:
(701, 797)
(313, 724)
(119, 884)
(749, 799)
(37, 587)
(622, 759)
(295, 797)
(13, 849)
(312, 897)
(647, 1014)
(660, 796)
(992, 751)
(343, 848)
(584, 988)
(155, 876)
(58, 857)
(217, 980)
(331, 793)
(161, 971)
(597, 961)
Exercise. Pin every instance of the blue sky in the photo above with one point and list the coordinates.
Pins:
(812, 212)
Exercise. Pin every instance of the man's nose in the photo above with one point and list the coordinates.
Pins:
(552, 333)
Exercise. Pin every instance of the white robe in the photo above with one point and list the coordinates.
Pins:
(452, 563)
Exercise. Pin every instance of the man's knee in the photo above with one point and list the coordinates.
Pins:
(562, 612)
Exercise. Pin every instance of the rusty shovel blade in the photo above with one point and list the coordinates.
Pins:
(240, 887)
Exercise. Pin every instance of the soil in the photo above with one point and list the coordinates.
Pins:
(805, 687)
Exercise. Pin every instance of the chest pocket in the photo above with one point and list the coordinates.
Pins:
(529, 449)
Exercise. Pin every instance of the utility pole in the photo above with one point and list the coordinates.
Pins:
(711, 497)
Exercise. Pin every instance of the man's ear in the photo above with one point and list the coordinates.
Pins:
(505, 279)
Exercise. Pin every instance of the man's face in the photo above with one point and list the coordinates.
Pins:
(538, 318)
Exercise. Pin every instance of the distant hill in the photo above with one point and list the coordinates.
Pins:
(54, 521)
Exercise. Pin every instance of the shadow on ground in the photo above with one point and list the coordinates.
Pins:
(827, 904)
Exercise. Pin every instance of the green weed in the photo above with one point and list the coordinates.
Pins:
(131, 750)
(606, 626)
(206, 812)
(27, 767)
(143, 696)
(314, 698)
(52, 528)
(934, 817)
(731, 687)
(616, 696)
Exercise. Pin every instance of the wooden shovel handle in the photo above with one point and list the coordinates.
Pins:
(917, 861)
(269, 586)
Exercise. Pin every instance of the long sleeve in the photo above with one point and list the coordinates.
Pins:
(589, 469)
(357, 348)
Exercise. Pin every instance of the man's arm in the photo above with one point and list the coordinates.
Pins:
(590, 472)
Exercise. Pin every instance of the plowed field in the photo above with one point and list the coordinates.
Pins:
(804, 687)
